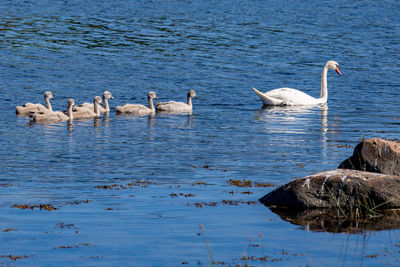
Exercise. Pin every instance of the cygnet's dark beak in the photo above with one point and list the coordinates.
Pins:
(52, 98)
(156, 98)
(112, 98)
(338, 71)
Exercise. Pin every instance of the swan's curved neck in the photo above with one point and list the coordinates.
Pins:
(96, 108)
(106, 106)
(324, 85)
(189, 100)
(150, 100)
(48, 105)
(70, 112)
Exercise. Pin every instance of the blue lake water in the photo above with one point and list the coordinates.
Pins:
(133, 191)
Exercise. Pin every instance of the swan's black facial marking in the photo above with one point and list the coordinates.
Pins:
(338, 70)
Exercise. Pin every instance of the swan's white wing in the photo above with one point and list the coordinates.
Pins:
(288, 96)
(267, 100)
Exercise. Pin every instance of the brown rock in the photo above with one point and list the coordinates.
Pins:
(375, 155)
(341, 189)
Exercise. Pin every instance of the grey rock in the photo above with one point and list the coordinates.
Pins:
(339, 188)
(375, 155)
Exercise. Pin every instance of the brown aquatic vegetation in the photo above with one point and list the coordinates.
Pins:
(112, 187)
(182, 194)
(204, 204)
(62, 225)
(14, 258)
(47, 207)
(224, 202)
(240, 183)
(263, 185)
(249, 260)
(209, 167)
(262, 259)
(285, 252)
(137, 183)
(6, 185)
(247, 183)
(200, 183)
(73, 246)
(9, 229)
(77, 202)
(340, 146)
(104, 186)
(237, 202)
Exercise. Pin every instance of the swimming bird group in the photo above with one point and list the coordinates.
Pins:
(40, 113)
(277, 97)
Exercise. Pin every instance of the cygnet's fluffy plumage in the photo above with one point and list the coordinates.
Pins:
(106, 95)
(27, 108)
(138, 109)
(87, 113)
(177, 107)
(54, 116)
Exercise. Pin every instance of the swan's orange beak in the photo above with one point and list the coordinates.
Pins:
(338, 71)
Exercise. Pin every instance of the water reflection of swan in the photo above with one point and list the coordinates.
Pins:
(292, 97)
(291, 115)
(294, 120)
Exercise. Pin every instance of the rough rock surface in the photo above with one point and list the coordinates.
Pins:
(375, 155)
(339, 188)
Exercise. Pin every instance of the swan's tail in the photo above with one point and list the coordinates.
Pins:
(268, 101)
(261, 95)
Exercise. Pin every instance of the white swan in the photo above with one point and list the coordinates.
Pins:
(30, 107)
(106, 95)
(177, 107)
(138, 109)
(293, 97)
(87, 113)
(54, 116)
